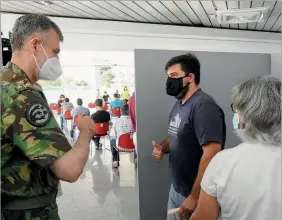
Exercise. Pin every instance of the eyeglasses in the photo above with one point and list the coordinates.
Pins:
(233, 108)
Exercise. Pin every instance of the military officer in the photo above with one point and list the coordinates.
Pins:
(35, 154)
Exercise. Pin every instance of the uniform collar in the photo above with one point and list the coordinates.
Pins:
(16, 69)
(17, 72)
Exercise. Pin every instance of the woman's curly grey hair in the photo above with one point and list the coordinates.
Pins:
(258, 102)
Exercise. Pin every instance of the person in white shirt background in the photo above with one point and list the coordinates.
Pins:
(244, 183)
(119, 126)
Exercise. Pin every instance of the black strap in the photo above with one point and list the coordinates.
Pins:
(31, 203)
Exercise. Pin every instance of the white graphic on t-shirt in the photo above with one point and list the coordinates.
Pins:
(174, 124)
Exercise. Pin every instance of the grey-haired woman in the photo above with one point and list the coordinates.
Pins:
(244, 183)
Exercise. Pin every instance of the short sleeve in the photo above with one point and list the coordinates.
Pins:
(209, 124)
(73, 112)
(34, 130)
(210, 179)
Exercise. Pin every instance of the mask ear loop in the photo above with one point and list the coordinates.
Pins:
(185, 77)
(36, 62)
(36, 59)
(44, 51)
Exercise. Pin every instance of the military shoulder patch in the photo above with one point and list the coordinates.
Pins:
(38, 114)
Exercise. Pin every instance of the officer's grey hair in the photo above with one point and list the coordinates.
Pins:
(258, 102)
(30, 24)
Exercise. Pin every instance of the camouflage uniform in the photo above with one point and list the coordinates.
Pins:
(31, 140)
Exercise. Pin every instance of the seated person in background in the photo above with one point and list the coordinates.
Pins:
(67, 105)
(100, 116)
(116, 103)
(78, 109)
(244, 183)
(119, 127)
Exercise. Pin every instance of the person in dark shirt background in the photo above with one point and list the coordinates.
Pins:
(100, 116)
(106, 97)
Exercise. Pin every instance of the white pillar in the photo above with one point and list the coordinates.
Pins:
(276, 65)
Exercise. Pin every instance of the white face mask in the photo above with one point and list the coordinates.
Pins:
(51, 69)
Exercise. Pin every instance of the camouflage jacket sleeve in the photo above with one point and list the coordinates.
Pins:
(33, 129)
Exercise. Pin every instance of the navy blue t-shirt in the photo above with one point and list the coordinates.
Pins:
(198, 122)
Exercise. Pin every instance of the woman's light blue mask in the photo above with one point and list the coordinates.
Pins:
(236, 122)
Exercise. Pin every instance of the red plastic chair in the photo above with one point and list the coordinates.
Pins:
(91, 105)
(53, 106)
(59, 110)
(116, 112)
(105, 107)
(125, 143)
(75, 120)
(68, 115)
(102, 129)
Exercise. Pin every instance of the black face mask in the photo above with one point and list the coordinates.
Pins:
(174, 87)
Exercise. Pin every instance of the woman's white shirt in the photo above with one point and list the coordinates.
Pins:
(246, 180)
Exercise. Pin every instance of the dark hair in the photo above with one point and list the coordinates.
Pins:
(99, 103)
(79, 101)
(60, 101)
(116, 95)
(189, 64)
(67, 99)
(124, 110)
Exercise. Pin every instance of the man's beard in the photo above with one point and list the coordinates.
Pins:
(182, 94)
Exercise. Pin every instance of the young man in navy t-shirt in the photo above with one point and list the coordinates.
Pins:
(196, 133)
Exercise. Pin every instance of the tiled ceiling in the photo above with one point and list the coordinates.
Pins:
(185, 13)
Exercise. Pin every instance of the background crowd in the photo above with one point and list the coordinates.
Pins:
(113, 114)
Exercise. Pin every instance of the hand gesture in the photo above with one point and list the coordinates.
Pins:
(157, 151)
(85, 124)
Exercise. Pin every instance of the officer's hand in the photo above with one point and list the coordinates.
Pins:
(86, 124)
(157, 151)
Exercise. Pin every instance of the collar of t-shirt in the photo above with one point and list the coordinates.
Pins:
(193, 95)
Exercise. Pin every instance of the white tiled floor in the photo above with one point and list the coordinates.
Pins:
(101, 193)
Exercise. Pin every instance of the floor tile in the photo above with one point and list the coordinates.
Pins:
(87, 203)
(72, 216)
(101, 193)
(67, 198)
(93, 214)
(66, 208)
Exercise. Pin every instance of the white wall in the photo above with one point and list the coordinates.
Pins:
(83, 34)
(276, 65)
